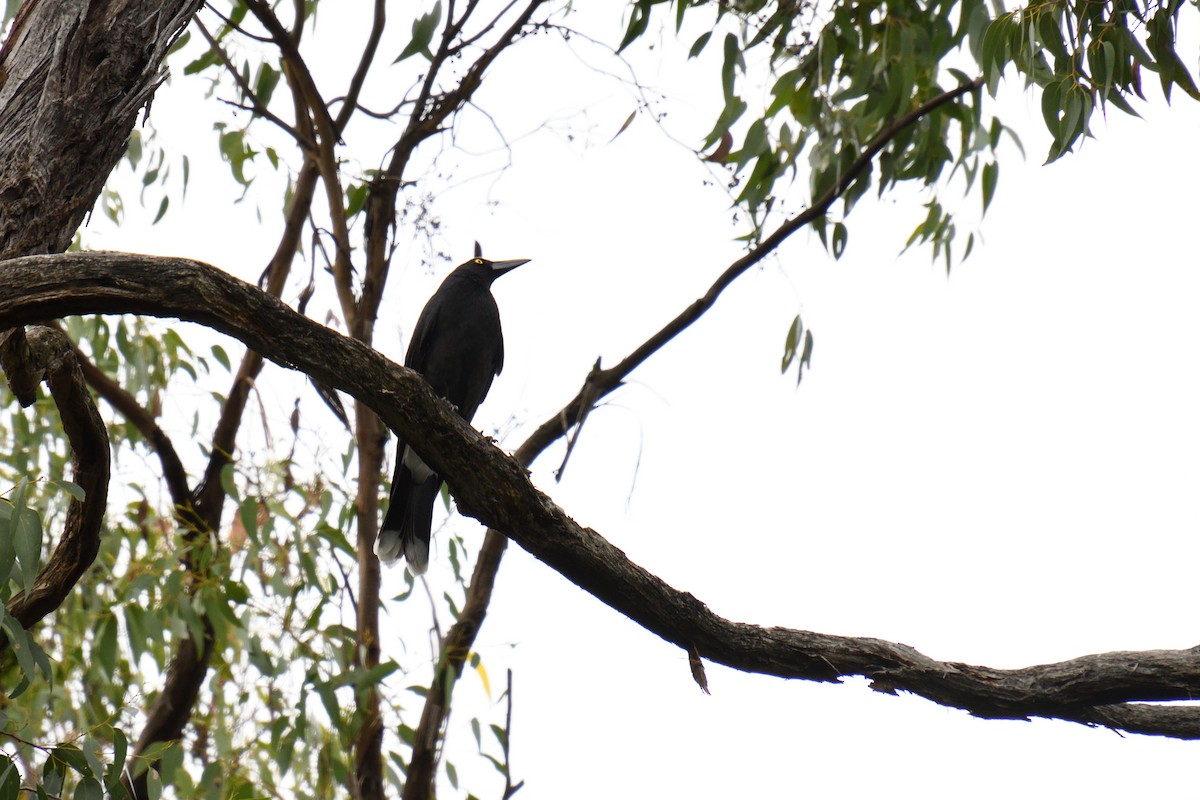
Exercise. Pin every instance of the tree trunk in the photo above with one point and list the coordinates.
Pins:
(73, 76)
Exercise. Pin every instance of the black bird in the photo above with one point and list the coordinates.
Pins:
(459, 348)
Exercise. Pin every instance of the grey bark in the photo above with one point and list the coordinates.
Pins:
(73, 76)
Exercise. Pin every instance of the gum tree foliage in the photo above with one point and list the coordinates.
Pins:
(236, 654)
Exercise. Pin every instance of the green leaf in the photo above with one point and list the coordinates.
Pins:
(25, 528)
(500, 734)
(228, 483)
(104, 645)
(73, 489)
(991, 172)
(805, 356)
(840, 236)
(234, 149)
(790, 343)
(699, 44)
(330, 701)
(171, 762)
(1120, 102)
(264, 85)
(10, 779)
(221, 356)
(8, 554)
(733, 59)
(248, 513)
(70, 756)
(209, 59)
(1050, 32)
(356, 197)
(89, 789)
(22, 646)
(162, 210)
(423, 28)
(112, 778)
(1051, 108)
(639, 20)
(133, 149)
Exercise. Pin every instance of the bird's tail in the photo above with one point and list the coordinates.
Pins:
(407, 525)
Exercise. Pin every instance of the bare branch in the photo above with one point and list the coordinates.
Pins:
(371, 436)
(303, 85)
(256, 105)
(601, 382)
(428, 115)
(455, 649)
(350, 101)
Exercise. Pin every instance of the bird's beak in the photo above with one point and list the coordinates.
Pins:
(501, 267)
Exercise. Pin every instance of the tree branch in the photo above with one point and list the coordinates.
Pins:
(496, 490)
(601, 382)
(167, 717)
(256, 104)
(598, 384)
(127, 406)
(46, 354)
(327, 136)
(350, 101)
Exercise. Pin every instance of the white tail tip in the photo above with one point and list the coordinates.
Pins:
(388, 547)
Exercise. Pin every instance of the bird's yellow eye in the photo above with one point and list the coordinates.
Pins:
(479, 261)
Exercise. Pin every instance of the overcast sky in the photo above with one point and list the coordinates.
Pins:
(998, 466)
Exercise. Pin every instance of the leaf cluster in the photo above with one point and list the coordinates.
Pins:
(839, 74)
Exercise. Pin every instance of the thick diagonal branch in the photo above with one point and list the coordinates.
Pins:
(495, 489)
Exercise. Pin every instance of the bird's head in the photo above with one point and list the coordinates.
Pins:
(494, 269)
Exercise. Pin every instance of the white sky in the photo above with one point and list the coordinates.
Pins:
(996, 467)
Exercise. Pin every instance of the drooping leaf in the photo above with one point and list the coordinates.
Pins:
(790, 342)
(991, 171)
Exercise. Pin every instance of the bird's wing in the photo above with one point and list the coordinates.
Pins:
(418, 349)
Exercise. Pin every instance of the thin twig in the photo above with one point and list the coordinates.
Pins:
(256, 105)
